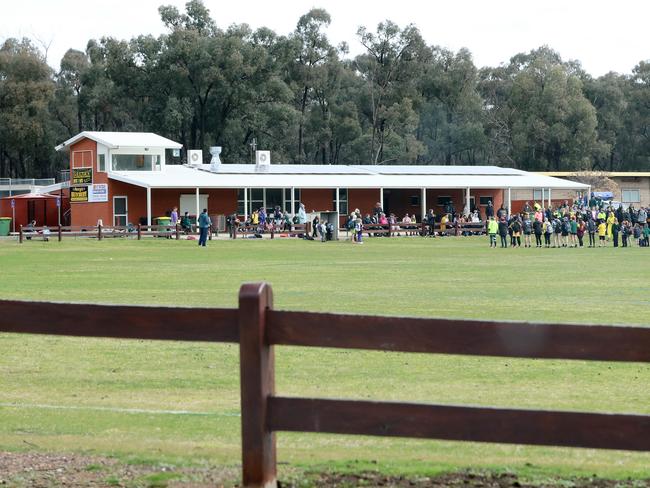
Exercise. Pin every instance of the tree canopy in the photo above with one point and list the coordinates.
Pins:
(400, 101)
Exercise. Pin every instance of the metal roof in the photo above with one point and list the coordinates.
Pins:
(339, 176)
(115, 140)
(611, 174)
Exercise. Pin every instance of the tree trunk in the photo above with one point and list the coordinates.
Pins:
(301, 126)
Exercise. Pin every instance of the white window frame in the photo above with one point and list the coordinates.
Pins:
(126, 208)
(628, 190)
(99, 168)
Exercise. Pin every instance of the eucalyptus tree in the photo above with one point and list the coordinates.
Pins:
(390, 68)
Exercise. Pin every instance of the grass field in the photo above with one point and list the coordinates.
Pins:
(179, 403)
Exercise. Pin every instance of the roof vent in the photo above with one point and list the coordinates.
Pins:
(215, 162)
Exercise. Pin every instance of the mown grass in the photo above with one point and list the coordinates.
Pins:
(67, 394)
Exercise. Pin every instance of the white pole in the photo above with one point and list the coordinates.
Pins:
(245, 204)
(381, 199)
(467, 201)
(423, 203)
(337, 201)
(543, 202)
(198, 204)
(549, 198)
(509, 202)
(293, 201)
(148, 205)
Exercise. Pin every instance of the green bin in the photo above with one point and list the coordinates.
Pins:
(5, 226)
(163, 221)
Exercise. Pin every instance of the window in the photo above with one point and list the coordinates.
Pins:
(255, 197)
(631, 196)
(343, 200)
(483, 201)
(101, 163)
(135, 162)
(273, 197)
(120, 211)
(415, 200)
(287, 200)
(444, 200)
(537, 194)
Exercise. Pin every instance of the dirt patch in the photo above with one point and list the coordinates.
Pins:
(468, 480)
(45, 470)
(36, 470)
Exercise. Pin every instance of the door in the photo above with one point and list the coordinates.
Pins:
(120, 211)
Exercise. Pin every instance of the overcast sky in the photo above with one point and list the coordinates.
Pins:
(605, 35)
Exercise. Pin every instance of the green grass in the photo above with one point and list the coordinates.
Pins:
(70, 394)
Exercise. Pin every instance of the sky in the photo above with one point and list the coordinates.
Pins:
(604, 35)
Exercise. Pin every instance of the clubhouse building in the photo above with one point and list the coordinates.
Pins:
(128, 177)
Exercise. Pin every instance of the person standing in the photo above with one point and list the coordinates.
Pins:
(580, 231)
(615, 231)
(503, 232)
(538, 227)
(591, 229)
(602, 232)
(548, 232)
(492, 228)
(204, 227)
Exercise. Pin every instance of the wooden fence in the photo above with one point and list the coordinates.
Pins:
(102, 232)
(257, 327)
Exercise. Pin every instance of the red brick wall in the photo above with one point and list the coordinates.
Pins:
(316, 199)
(83, 154)
(363, 199)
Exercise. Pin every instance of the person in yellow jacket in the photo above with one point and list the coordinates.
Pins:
(443, 224)
(602, 232)
(255, 218)
(492, 229)
(610, 222)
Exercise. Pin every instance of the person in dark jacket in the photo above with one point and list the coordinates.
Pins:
(204, 224)
(503, 232)
(537, 229)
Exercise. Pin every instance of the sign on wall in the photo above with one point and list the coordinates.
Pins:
(78, 194)
(82, 176)
(98, 193)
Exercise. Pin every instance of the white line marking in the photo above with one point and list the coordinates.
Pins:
(116, 409)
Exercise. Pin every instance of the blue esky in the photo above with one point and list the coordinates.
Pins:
(603, 35)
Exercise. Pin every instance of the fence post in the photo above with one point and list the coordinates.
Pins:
(20, 234)
(60, 235)
(178, 232)
(139, 231)
(257, 377)
(210, 232)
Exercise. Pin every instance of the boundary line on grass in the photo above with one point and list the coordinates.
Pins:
(116, 409)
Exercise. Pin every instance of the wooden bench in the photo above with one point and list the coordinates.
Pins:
(297, 230)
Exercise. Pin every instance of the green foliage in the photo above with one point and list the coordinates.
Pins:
(400, 101)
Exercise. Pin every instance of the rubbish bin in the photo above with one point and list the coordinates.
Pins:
(163, 221)
(5, 226)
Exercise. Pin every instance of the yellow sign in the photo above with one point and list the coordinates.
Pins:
(78, 194)
(82, 176)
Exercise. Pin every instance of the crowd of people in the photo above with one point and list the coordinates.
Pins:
(570, 225)
(579, 224)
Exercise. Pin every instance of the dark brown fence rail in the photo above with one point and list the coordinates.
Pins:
(257, 328)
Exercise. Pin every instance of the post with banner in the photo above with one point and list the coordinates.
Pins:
(13, 213)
